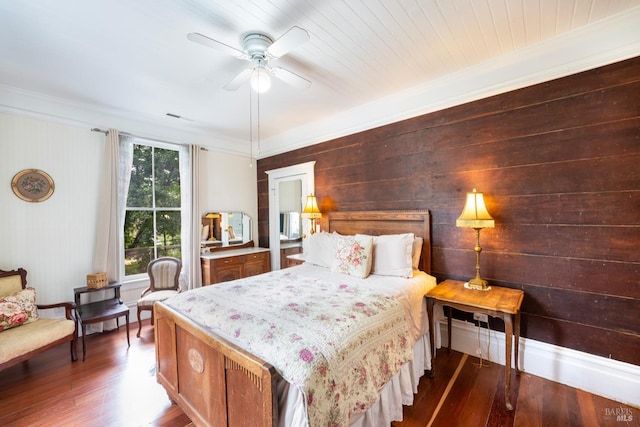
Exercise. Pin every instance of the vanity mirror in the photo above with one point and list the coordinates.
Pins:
(222, 229)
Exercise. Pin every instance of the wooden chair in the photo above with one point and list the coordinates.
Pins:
(164, 273)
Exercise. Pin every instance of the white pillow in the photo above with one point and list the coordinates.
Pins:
(321, 249)
(392, 255)
(417, 252)
(353, 255)
(204, 232)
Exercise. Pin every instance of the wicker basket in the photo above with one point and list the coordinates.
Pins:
(96, 280)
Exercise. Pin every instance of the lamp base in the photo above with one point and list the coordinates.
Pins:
(478, 284)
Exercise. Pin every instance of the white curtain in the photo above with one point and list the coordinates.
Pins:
(191, 217)
(107, 247)
(114, 184)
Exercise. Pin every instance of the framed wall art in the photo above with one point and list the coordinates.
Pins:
(32, 185)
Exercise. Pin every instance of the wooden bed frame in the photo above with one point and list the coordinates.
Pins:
(217, 383)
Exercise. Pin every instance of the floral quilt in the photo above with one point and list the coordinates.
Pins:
(338, 342)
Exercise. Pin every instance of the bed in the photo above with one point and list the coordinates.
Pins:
(219, 374)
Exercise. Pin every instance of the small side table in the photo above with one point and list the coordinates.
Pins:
(295, 259)
(503, 303)
(99, 311)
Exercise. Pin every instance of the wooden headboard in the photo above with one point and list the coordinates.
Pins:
(386, 222)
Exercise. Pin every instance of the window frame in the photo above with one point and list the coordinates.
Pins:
(128, 278)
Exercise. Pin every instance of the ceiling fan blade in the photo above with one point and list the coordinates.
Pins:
(291, 78)
(288, 41)
(239, 80)
(215, 44)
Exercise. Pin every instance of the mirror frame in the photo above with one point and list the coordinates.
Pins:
(302, 171)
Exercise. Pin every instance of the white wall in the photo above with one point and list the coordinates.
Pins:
(54, 240)
(228, 184)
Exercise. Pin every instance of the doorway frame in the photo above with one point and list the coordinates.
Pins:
(304, 172)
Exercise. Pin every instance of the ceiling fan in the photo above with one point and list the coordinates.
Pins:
(259, 49)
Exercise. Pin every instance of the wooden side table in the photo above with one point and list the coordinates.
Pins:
(99, 311)
(503, 303)
(295, 259)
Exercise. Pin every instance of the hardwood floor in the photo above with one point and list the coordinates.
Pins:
(475, 397)
(116, 386)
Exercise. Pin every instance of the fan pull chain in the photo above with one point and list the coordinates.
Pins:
(258, 119)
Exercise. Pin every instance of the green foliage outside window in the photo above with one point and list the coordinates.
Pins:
(153, 217)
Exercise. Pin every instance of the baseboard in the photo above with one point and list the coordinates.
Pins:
(609, 378)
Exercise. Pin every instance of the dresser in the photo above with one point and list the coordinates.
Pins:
(222, 266)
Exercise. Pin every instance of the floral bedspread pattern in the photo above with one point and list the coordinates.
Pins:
(335, 341)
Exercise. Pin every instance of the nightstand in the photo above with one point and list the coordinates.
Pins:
(295, 259)
(99, 311)
(503, 303)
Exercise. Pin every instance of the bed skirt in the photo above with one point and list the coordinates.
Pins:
(398, 392)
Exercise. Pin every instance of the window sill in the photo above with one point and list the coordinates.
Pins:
(135, 282)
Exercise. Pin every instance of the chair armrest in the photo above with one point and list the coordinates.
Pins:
(146, 291)
(69, 308)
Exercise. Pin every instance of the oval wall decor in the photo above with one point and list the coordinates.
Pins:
(32, 185)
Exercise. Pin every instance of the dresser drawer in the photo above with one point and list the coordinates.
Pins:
(229, 273)
(228, 261)
(260, 256)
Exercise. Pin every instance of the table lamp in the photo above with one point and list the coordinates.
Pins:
(311, 211)
(211, 216)
(475, 215)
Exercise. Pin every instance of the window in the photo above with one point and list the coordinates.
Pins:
(153, 216)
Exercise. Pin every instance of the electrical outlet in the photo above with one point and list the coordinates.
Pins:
(481, 317)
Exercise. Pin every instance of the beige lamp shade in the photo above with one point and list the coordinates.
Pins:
(475, 214)
(311, 209)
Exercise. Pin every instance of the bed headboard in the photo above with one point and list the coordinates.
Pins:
(386, 222)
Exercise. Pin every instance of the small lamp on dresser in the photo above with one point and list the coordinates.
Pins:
(211, 216)
(475, 215)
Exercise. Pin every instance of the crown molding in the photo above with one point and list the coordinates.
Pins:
(58, 110)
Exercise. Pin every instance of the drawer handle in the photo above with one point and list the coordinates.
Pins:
(227, 261)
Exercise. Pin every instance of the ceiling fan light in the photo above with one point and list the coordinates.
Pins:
(260, 80)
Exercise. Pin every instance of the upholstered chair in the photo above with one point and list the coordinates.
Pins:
(163, 274)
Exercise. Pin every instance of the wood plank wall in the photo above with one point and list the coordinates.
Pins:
(559, 163)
